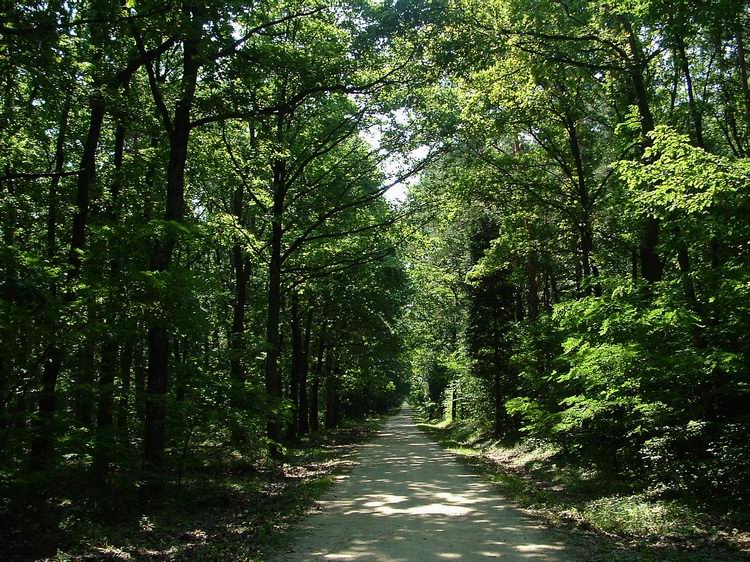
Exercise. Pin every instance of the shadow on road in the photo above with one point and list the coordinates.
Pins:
(410, 500)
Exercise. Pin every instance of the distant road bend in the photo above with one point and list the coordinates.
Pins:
(409, 500)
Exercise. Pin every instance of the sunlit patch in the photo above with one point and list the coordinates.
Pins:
(457, 498)
(536, 547)
(409, 502)
(428, 509)
(111, 553)
(384, 500)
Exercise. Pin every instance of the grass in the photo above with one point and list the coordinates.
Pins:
(602, 518)
(228, 507)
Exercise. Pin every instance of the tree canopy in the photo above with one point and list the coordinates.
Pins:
(199, 250)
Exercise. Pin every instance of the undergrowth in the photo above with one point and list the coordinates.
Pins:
(609, 518)
(229, 508)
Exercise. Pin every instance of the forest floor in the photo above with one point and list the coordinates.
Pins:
(410, 500)
(603, 519)
(229, 508)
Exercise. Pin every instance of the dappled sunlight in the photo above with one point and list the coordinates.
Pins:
(410, 500)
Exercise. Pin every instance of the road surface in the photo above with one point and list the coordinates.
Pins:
(410, 500)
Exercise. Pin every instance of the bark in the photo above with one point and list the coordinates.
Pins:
(555, 293)
(499, 423)
(181, 354)
(294, 379)
(6, 356)
(139, 370)
(520, 311)
(123, 399)
(331, 416)
(317, 371)
(304, 407)
(104, 436)
(156, 395)
(103, 451)
(161, 258)
(85, 180)
(586, 248)
(651, 265)
(454, 401)
(683, 260)
(497, 386)
(84, 380)
(742, 63)
(54, 184)
(695, 113)
(584, 201)
(637, 65)
(272, 377)
(43, 441)
(241, 266)
(533, 280)
(237, 333)
(578, 276)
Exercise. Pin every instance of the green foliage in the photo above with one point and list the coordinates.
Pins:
(591, 225)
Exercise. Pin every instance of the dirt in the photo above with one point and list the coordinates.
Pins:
(408, 499)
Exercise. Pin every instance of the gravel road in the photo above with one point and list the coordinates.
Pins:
(408, 500)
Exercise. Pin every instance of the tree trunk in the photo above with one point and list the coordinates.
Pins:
(331, 392)
(272, 378)
(84, 380)
(104, 442)
(454, 401)
(499, 408)
(586, 248)
(533, 280)
(139, 370)
(497, 386)
(636, 66)
(294, 379)
(54, 184)
(123, 400)
(651, 265)
(237, 334)
(695, 113)
(742, 63)
(303, 415)
(577, 269)
(161, 258)
(85, 179)
(43, 441)
(317, 371)
(156, 396)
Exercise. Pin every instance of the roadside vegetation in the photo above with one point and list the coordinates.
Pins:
(605, 518)
(225, 507)
(202, 261)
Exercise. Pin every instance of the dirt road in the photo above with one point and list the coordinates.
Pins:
(410, 500)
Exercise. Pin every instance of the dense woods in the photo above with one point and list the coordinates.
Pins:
(199, 259)
(584, 283)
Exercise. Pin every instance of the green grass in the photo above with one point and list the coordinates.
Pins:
(228, 507)
(638, 515)
(603, 518)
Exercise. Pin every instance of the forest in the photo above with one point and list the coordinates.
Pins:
(235, 232)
